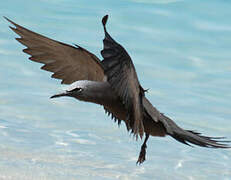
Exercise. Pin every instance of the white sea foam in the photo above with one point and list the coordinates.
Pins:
(2, 127)
(72, 134)
(61, 143)
(84, 141)
(179, 164)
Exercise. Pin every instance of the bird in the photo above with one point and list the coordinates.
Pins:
(111, 82)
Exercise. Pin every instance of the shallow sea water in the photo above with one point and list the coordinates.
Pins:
(181, 50)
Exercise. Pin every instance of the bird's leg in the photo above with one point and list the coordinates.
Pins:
(141, 158)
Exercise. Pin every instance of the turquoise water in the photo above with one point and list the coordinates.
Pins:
(181, 50)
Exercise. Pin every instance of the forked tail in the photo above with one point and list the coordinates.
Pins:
(188, 136)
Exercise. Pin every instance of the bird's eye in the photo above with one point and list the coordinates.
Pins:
(75, 90)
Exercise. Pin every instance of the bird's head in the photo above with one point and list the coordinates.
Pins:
(76, 90)
(84, 90)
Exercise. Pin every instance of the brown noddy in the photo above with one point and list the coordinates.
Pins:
(112, 83)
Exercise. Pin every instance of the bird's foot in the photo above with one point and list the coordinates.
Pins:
(141, 158)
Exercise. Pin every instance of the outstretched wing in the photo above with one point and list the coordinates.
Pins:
(122, 76)
(68, 63)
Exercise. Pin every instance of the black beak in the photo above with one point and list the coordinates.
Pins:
(59, 95)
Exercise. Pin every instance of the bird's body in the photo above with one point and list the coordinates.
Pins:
(112, 83)
(101, 93)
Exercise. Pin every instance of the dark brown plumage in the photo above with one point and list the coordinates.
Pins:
(121, 75)
(67, 62)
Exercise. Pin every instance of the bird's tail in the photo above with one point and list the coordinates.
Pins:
(188, 136)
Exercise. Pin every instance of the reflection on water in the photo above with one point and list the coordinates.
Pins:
(181, 50)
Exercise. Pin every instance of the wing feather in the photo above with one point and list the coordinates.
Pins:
(123, 79)
(67, 62)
